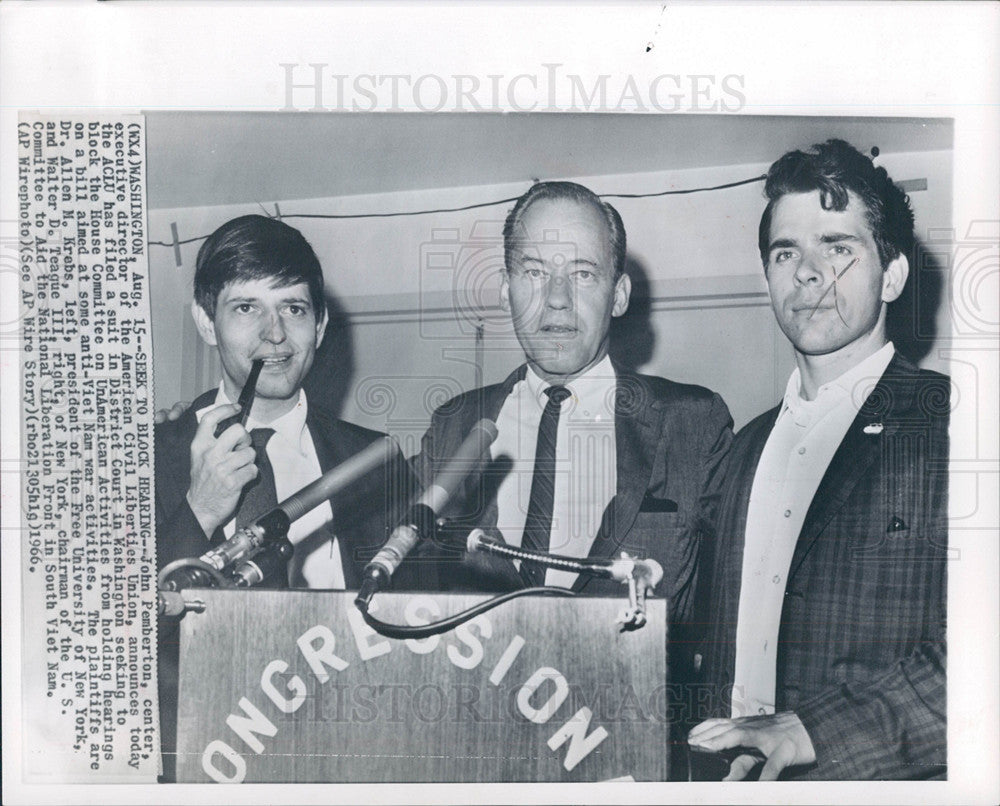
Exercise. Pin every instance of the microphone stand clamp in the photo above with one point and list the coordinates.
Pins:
(640, 576)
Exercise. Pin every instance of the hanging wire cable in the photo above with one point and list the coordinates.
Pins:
(480, 205)
(684, 192)
(401, 631)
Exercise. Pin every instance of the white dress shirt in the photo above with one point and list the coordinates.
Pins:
(586, 473)
(796, 455)
(316, 563)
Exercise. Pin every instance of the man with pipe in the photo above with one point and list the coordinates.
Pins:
(258, 296)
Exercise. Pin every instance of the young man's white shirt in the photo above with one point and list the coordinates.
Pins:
(798, 451)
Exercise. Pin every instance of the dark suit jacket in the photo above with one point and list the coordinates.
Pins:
(670, 440)
(861, 655)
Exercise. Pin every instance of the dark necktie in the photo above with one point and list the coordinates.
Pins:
(259, 496)
(538, 524)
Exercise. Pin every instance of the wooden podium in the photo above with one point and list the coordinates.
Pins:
(293, 686)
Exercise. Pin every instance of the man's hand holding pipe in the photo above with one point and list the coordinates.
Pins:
(220, 468)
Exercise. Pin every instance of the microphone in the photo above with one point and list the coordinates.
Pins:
(275, 523)
(419, 522)
(272, 527)
(620, 569)
(272, 559)
(640, 576)
(462, 463)
(275, 549)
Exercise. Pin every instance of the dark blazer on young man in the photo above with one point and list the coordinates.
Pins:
(670, 439)
(861, 657)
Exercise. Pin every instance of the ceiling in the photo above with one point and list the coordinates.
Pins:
(198, 159)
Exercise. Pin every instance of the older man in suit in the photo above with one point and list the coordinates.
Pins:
(590, 460)
(826, 648)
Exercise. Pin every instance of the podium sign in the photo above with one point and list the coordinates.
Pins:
(293, 686)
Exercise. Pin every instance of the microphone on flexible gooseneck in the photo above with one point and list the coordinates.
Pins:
(419, 521)
(641, 576)
(619, 569)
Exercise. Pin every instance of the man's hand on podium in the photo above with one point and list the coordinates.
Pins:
(781, 738)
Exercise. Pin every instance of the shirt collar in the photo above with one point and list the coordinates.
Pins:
(291, 426)
(592, 391)
(857, 383)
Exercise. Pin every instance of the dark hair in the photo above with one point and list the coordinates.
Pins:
(569, 191)
(834, 168)
(254, 247)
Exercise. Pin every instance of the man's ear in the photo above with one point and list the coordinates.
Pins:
(623, 289)
(894, 278)
(204, 323)
(504, 291)
(324, 320)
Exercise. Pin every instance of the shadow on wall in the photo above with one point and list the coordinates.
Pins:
(911, 320)
(632, 336)
(329, 380)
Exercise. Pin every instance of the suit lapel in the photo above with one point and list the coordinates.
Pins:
(730, 533)
(893, 394)
(639, 423)
(476, 506)
(742, 475)
(330, 452)
(328, 449)
(495, 396)
(483, 487)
